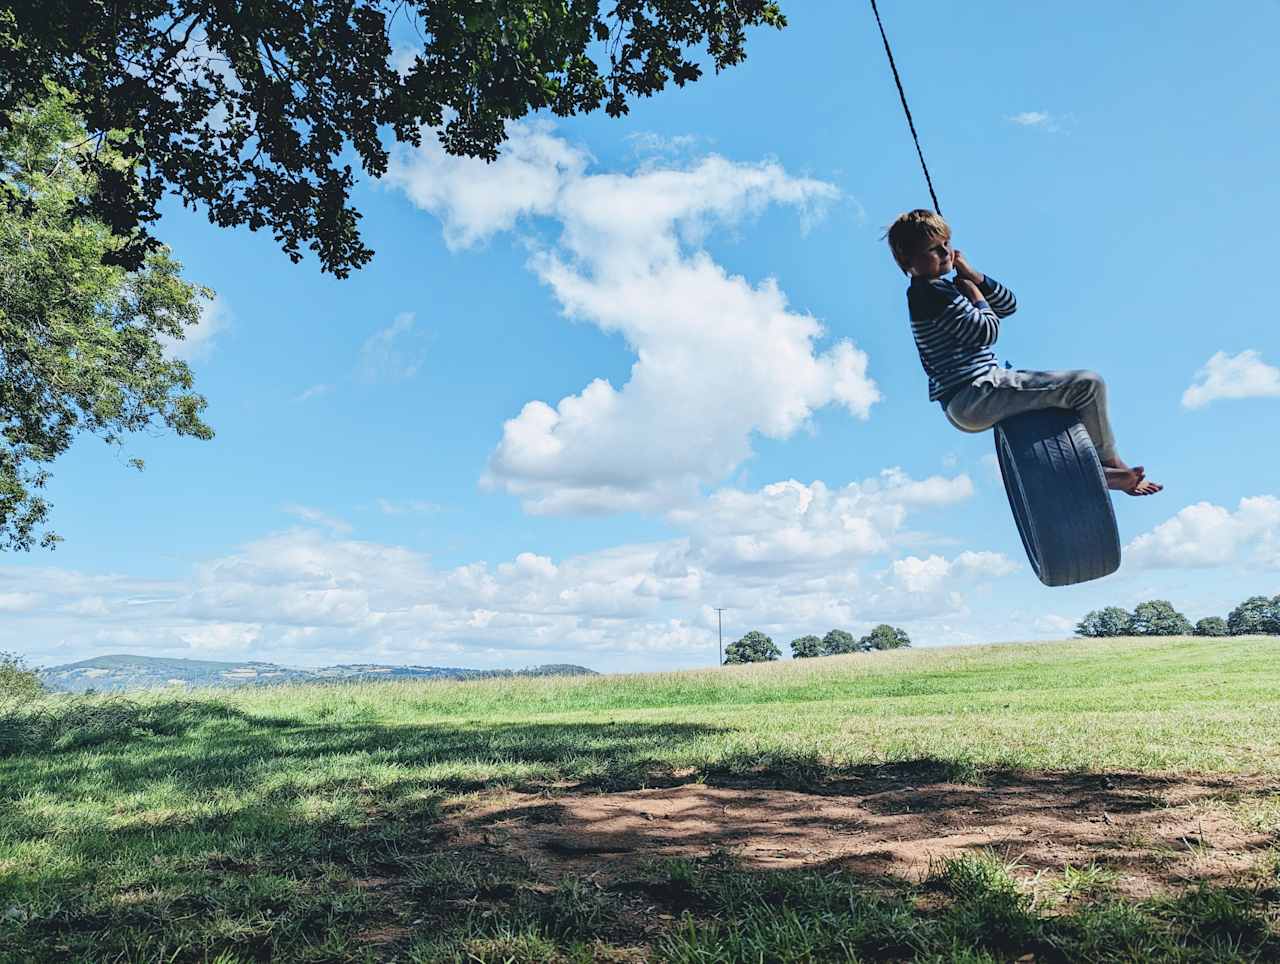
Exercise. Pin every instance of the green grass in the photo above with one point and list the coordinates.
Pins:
(247, 825)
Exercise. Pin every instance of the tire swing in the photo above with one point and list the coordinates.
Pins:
(1058, 493)
(1055, 482)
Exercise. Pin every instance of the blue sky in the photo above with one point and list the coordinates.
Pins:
(642, 368)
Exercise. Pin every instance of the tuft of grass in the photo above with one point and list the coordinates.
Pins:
(1084, 883)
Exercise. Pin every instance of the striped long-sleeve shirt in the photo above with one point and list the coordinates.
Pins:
(953, 335)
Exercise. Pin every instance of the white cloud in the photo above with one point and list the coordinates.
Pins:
(790, 526)
(1244, 375)
(316, 517)
(315, 391)
(391, 354)
(1207, 535)
(197, 340)
(651, 145)
(17, 602)
(788, 558)
(214, 638)
(717, 357)
(392, 507)
(475, 199)
(1035, 118)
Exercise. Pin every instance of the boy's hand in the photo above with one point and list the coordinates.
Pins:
(965, 270)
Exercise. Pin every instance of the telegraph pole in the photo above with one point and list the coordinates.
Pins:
(720, 632)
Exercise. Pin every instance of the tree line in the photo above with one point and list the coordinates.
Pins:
(756, 647)
(1257, 615)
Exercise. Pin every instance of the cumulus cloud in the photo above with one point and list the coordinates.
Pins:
(474, 199)
(1244, 375)
(718, 358)
(1207, 535)
(197, 342)
(788, 558)
(793, 526)
(391, 354)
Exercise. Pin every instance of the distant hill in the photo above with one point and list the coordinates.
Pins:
(117, 673)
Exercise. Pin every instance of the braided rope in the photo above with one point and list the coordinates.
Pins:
(902, 94)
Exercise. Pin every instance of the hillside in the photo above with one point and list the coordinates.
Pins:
(121, 673)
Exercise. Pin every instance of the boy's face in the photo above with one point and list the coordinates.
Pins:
(931, 261)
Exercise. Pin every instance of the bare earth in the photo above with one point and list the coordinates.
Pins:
(1157, 833)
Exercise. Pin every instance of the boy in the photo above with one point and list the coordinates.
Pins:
(956, 323)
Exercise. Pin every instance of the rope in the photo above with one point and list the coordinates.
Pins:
(902, 94)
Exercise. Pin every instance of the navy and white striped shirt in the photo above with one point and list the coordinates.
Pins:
(953, 335)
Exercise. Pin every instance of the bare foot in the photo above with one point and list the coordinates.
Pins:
(1145, 487)
(1132, 480)
(1123, 478)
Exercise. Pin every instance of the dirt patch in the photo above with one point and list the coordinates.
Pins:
(1153, 833)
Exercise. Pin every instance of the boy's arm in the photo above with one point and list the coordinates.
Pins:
(1000, 298)
(960, 311)
(990, 290)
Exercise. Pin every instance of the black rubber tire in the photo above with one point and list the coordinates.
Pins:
(1059, 497)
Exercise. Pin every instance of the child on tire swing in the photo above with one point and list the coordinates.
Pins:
(956, 323)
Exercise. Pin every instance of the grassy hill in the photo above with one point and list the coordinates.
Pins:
(127, 673)
(1085, 800)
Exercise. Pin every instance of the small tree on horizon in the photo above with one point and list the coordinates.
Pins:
(837, 642)
(754, 647)
(1157, 617)
(805, 647)
(885, 636)
(1212, 626)
(1110, 621)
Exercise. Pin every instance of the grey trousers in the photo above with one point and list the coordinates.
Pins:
(1002, 392)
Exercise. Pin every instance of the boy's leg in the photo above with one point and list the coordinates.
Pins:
(1002, 392)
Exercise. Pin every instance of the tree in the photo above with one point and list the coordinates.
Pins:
(805, 647)
(1111, 621)
(1212, 626)
(755, 647)
(248, 109)
(1158, 618)
(18, 681)
(885, 636)
(80, 340)
(1255, 615)
(838, 642)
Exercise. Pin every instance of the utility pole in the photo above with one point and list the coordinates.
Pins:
(720, 632)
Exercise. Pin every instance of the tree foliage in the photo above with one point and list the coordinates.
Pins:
(1212, 626)
(80, 340)
(1255, 615)
(18, 681)
(246, 109)
(1157, 617)
(805, 647)
(838, 642)
(1110, 621)
(754, 647)
(885, 636)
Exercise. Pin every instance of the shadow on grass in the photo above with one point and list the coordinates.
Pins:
(173, 830)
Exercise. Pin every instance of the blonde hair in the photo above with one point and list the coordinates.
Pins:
(914, 231)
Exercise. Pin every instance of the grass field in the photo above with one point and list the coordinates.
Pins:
(1087, 800)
